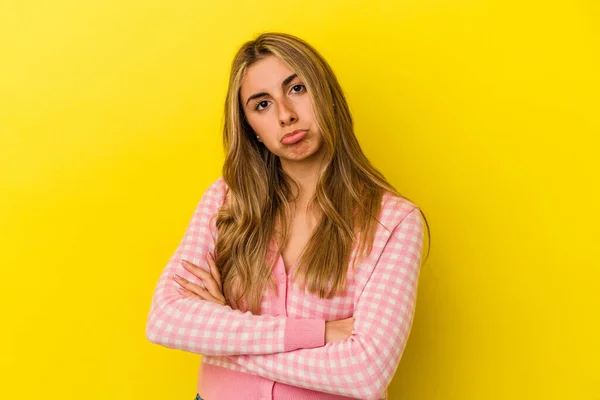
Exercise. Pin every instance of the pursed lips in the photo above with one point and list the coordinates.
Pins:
(293, 133)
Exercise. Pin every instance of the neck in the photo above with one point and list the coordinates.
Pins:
(305, 174)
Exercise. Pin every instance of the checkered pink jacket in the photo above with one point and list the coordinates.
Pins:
(281, 353)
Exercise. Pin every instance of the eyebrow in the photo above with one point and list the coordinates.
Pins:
(285, 82)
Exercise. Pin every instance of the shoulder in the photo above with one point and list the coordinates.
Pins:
(395, 209)
(217, 187)
(214, 195)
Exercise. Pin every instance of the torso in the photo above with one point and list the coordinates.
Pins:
(300, 232)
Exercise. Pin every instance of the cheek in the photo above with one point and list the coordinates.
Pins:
(266, 127)
(257, 124)
(306, 111)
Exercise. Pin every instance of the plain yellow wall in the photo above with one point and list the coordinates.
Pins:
(485, 113)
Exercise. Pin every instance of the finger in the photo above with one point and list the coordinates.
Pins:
(215, 271)
(197, 290)
(207, 278)
(185, 292)
(216, 275)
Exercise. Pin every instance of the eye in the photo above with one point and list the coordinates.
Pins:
(261, 105)
(298, 88)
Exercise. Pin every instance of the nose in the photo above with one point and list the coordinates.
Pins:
(287, 115)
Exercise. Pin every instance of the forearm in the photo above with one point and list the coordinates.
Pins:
(363, 365)
(202, 327)
(355, 367)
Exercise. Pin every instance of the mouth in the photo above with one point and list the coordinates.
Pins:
(294, 136)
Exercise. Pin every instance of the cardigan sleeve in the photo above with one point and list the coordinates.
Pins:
(207, 328)
(363, 365)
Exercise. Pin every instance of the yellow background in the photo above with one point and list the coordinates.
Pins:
(485, 113)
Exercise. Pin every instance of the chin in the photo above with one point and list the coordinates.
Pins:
(302, 151)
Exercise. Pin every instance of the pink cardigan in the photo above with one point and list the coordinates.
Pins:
(281, 353)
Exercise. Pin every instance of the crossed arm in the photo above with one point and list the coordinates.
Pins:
(363, 365)
(282, 349)
(207, 328)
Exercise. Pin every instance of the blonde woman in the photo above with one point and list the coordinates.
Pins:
(297, 275)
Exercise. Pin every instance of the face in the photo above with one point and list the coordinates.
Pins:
(279, 110)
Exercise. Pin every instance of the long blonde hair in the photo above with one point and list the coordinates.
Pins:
(348, 194)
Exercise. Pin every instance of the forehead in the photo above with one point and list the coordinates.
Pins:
(265, 75)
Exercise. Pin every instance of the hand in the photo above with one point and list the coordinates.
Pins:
(211, 280)
(338, 330)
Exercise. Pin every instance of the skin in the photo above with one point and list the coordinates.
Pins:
(276, 102)
(285, 107)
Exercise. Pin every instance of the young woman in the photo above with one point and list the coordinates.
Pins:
(297, 275)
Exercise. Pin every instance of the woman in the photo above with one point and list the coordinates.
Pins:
(297, 275)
